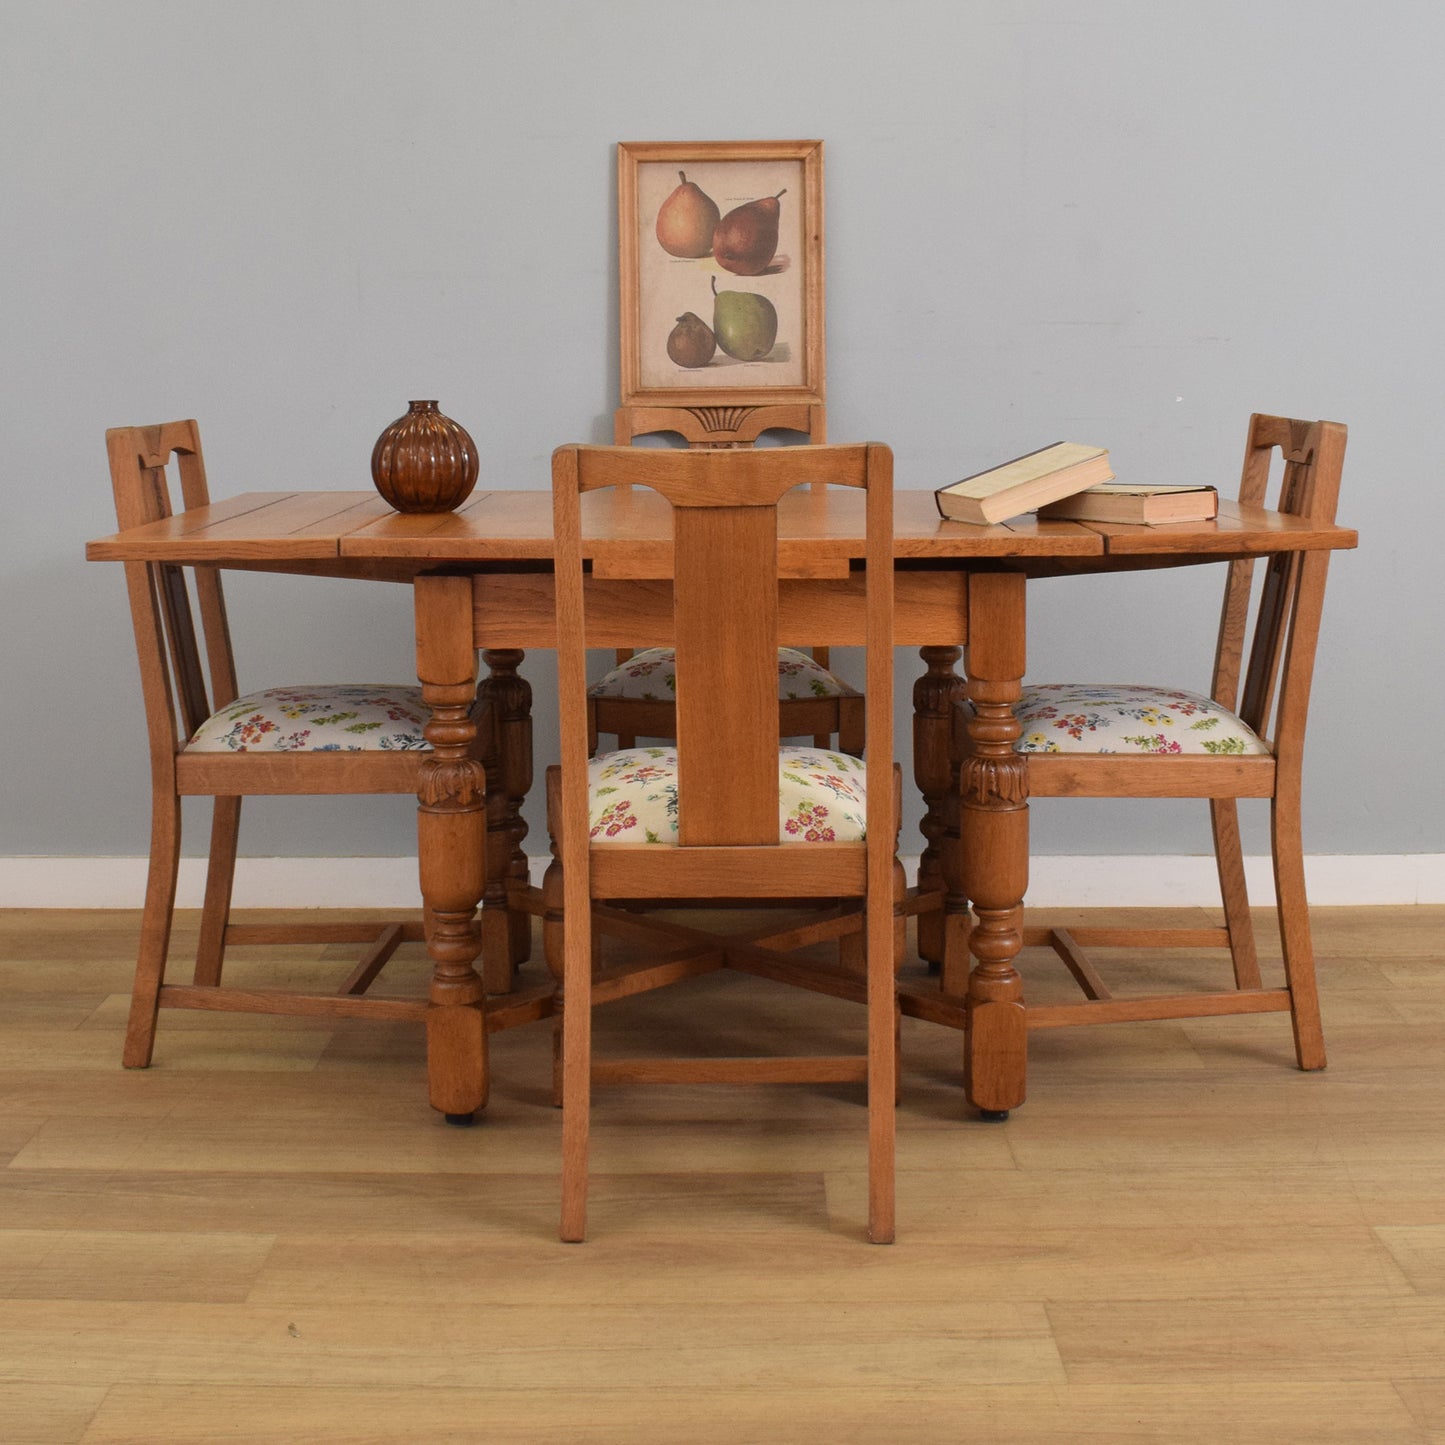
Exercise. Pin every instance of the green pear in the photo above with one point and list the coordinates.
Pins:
(686, 220)
(691, 342)
(745, 324)
(746, 239)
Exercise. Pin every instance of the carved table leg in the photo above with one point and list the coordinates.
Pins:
(553, 939)
(451, 847)
(506, 932)
(935, 772)
(994, 834)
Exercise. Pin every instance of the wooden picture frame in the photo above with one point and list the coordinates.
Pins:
(695, 219)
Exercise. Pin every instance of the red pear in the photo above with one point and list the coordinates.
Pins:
(746, 239)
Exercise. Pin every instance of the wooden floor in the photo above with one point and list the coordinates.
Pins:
(268, 1236)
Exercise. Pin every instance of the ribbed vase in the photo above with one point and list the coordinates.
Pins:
(424, 461)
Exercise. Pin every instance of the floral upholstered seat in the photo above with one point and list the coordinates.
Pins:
(632, 796)
(343, 717)
(1081, 717)
(651, 675)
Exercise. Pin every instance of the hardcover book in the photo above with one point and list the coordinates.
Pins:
(1142, 503)
(1026, 482)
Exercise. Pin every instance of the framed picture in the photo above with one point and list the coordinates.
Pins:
(721, 252)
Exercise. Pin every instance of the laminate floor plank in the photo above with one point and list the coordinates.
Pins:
(89, 1264)
(215, 1050)
(699, 1345)
(47, 1413)
(1257, 1084)
(1158, 1141)
(943, 1204)
(497, 1210)
(47, 1011)
(1425, 1400)
(1326, 1339)
(1353, 1044)
(16, 1131)
(1419, 1250)
(526, 1139)
(1363, 1413)
(1039, 1264)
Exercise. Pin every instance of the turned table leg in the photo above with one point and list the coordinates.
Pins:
(506, 931)
(943, 932)
(451, 847)
(994, 838)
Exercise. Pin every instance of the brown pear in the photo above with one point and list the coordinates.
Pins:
(691, 342)
(686, 221)
(746, 239)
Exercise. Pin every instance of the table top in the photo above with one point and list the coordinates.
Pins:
(356, 532)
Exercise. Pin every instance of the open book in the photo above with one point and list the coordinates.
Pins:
(1025, 483)
(1143, 503)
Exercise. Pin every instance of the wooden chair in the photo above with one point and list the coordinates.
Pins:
(1245, 740)
(720, 787)
(713, 427)
(634, 699)
(209, 741)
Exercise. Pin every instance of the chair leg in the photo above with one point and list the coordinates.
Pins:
(155, 932)
(220, 875)
(1294, 932)
(883, 1026)
(559, 1031)
(576, 1075)
(1229, 859)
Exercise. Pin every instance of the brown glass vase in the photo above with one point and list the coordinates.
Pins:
(424, 461)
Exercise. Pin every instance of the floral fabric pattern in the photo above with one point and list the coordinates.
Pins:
(633, 796)
(652, 676)
(1079, 717)
(343, 718)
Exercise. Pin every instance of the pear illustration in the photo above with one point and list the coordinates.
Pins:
(746, 239)
(686, 220)
(746, 325)
(691, 342)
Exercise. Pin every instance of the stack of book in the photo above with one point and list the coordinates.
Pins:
(1074, 481)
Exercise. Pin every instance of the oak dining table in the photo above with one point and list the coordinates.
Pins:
(481, 579)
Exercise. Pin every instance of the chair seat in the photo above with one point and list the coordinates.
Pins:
(1086, 717)
(632, 796)
(341, 717)
(651, 675)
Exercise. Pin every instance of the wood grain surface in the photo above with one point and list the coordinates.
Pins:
(268, 1236)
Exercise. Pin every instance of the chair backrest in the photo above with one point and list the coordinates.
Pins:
(725, 611)
(720, 426)
(178, 697)
(1264, 672)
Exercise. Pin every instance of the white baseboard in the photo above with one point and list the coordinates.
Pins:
(1054, 882)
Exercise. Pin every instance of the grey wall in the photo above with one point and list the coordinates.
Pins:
(1130, 221)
